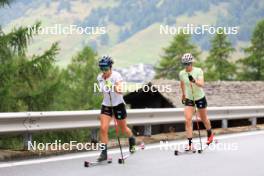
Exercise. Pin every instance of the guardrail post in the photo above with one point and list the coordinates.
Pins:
(224, 123)
(27, 138)
(147, 130)
(253, 122)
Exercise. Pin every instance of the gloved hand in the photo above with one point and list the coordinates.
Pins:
(191, 79)
(108, 84)
(183, 99)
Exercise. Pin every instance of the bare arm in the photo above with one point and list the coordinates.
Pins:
(199, 82)
(118, 87)
(182, 89)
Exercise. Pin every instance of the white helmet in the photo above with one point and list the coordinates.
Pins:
(187, 58)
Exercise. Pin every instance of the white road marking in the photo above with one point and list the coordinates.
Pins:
(113, 151)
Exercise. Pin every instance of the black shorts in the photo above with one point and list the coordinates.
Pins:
(200, 104)
(119, 111)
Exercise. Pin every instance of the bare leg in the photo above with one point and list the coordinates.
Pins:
(188, 113)
(124, 127)
(105, 121)
(204, 118)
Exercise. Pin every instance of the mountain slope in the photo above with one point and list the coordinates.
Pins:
(133, 27)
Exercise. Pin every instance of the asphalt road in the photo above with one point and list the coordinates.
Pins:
(239, 154)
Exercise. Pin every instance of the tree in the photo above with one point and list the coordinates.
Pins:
(36, 84)
(78, 82)
(13, 47)
(170, 63)
(252, 67)
(26, 83)
(217, 64)
(38, 80)
(5, 2)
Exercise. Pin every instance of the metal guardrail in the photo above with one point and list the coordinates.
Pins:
(48, 121)
(27, 123)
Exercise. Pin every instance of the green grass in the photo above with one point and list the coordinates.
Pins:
(15, 142)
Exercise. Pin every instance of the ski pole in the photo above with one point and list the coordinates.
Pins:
(197, 123)
(116, 128)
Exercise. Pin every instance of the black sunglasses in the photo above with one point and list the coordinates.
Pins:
(187, 64)
(104, 69)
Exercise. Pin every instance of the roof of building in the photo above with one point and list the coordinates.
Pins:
(219, 93)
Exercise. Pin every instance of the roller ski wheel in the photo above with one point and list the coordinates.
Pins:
(95, 163)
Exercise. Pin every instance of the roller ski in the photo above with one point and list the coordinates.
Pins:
(189, 149)
(132, 149)
(102, 160)
(210, 140)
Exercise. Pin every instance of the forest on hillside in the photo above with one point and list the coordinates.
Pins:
(127, 14)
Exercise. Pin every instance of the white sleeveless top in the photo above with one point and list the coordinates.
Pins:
(116, 98)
